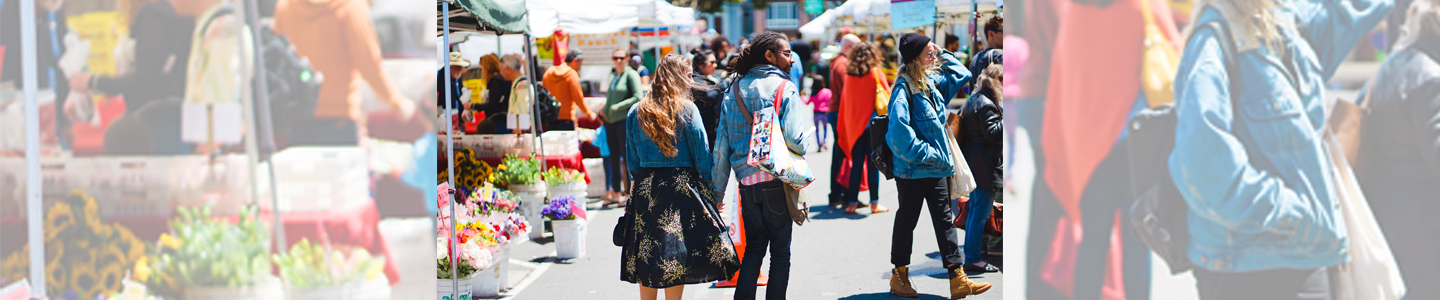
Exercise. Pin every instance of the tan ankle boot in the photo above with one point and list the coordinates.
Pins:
(900, 283)
(961, 286)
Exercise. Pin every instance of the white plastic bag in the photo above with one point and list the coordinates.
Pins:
(963, 182)
(1372, 272)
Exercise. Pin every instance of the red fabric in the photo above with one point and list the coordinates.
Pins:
(1093, 86)
(837, 80)
(844, 176)
(588, 122)
(90, 139)
(856, 108)
(1059, 267)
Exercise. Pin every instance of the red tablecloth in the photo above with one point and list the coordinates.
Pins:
(574, 162)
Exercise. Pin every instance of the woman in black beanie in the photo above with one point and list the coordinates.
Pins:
(929, 77)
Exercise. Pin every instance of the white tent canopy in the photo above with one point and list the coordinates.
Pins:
(873, 12)
(602, 16)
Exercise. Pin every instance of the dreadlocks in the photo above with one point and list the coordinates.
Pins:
(754, 54)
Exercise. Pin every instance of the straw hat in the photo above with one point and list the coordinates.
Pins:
(457, 61)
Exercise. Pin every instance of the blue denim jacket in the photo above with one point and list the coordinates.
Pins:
(917, 122)
(732, 141)
(691, 147)
(1255, 173)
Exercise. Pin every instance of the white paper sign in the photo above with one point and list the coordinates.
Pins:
(196, 120)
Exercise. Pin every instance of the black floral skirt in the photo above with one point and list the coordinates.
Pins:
(676, 239)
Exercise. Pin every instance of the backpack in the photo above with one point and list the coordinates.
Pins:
(293, 87)
(1160, 214)
(549, 109)
(882, 158)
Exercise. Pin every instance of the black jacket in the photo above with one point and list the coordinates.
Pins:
(1399, 156)
(498, 101)
(162, 50)
(982, 141)
(454, 86)
(707, 95)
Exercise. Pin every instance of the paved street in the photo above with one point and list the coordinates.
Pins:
(837, 256)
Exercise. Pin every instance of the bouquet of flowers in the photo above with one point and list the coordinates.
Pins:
(516, 171)
(474, 241)
(205, 252)
(563, 208)
(489, 200)
(559, 176)
(311, 265)
(515, 226)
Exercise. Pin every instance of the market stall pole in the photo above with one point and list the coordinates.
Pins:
(33, 209)
(450, 149)
(261, 117)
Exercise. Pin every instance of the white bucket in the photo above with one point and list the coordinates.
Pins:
(577, 190)
(538, 188)
(445, 291)
(328, 292)
(267, 288)
(487, 282)
(373, 289)
(503, 259)
(569, 238)
(530, 207)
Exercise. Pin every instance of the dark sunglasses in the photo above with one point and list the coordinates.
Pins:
(617, 58)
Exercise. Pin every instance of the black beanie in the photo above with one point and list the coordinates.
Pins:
(911, 45)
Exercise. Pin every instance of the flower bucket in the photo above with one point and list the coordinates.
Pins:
(373, 289)
(538, 188)
(487, 282)
(577, 190)
(503, 259)
(267, 288)
(532, 200)
(328, 292)
(446, 291)
(569, 238)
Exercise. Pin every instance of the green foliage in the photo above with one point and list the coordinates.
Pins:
(558, 176)
(516, 171)
(311, 265)
(216, 253)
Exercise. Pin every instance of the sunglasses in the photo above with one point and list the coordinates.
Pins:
(617, 58)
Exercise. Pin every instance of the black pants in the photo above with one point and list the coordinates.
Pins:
(934, 194)
(326, 132)
(859, 158)
(1102, 198)
(767, 224)
(837, 192)
(615, 139)
(1311, 284)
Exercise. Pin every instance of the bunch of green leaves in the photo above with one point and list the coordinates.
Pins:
(558, 176)
(516, 171)
(216, 253)
(311, 265)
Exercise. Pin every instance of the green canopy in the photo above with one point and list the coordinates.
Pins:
(499, 16)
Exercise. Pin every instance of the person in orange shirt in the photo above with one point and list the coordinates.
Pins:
(339, 39)
(563, 81)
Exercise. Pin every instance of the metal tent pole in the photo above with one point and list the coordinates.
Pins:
(33, 206)
(534, 102)
(450, 149)
(261, 117)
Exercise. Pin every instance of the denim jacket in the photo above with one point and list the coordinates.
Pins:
(732, 141)
(1255, 173)
(690, 144)
(917, 122)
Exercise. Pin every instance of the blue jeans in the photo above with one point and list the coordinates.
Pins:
(981, 204)
(767, 226)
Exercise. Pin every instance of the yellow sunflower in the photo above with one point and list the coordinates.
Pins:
(58, 219)
(111, 279)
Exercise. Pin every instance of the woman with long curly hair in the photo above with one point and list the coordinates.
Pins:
(676, 236)
(863, 79)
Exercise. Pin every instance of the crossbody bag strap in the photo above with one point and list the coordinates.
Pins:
(744, 111)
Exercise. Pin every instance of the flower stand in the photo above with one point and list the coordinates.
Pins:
(569, 238)
(445, 291)
(532, 200)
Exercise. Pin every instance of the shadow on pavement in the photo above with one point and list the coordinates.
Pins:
(888, 296)
(827, 213)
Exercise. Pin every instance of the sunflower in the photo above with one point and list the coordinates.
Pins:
(111, 278)
(85, 281)
(128, 244)
(57, 275)
(58, 219)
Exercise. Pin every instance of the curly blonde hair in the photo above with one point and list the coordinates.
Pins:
(661, 111)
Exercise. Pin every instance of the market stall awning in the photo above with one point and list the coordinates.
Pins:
(498, 16)
(591, 17)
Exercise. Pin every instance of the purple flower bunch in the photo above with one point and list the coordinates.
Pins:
(559, 208)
